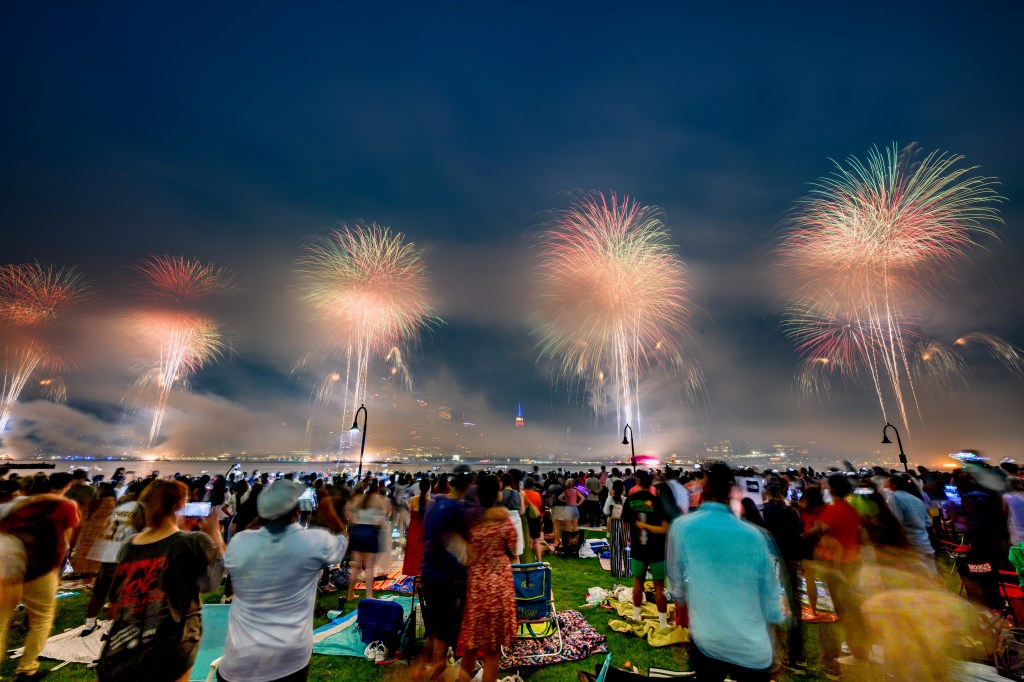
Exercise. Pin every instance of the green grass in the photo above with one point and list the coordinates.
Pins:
(572, 578)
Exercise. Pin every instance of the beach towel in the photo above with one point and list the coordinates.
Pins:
(341, 637)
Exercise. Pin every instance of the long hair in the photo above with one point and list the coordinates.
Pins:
(162, 499)
(424, 492)
(618, 487)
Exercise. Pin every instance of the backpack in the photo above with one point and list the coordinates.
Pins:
(1010, 653)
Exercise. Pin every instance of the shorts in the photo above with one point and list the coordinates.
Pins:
(639, 569)
(564, 513)
(534, 527)
(365, 538)
(443, 603)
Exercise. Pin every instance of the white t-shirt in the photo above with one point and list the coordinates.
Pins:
(270, 629)
(119, 529)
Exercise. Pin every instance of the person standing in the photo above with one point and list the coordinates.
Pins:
(730, 611)
(617, 539)
(413, 559)
(838, 551)
(592, 506)
(44, 524)
(783, 522)
(644, 515)
(912, 514)
(534, 516)
(155, 603)
(512, 502)
(274, 572)
(489, 620)
(126, 520)
(367, 519)
(443, 572)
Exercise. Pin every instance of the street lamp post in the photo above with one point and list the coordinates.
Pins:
(362, 446)
(886, 441)
(632, 448)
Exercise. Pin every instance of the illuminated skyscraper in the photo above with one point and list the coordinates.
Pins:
(519, 416)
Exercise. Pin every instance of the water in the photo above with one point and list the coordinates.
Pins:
(168, 467)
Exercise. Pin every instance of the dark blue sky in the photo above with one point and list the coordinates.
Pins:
(232, 135)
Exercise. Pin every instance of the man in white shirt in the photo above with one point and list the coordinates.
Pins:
(274, 571)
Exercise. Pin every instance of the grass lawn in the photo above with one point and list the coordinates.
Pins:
(572, 578)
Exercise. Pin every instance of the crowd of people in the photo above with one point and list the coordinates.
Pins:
(728, 547)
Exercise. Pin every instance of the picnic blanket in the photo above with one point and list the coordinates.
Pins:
(579, 640)
(70, 647)
(341, 637)
(826, 610)
(393, 581)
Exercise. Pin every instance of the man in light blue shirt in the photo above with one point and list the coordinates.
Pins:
(274, 571)
(723, 570)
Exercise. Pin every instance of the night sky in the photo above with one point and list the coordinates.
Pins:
(233, 136)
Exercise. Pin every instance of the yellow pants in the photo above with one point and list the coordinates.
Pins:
(40, 599)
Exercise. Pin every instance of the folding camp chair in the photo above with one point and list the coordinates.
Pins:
(603, 675)
(211, 646)
(535, 608)
(1011, 591)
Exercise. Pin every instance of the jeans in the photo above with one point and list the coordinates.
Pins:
(40, 598)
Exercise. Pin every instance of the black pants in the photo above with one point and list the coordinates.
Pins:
(713, 670)
(100, 588)
(298, 676)
(796, 630)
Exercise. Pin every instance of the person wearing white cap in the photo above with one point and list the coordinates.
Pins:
(274, 571)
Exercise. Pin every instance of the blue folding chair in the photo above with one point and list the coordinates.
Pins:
(603, 675)
(535, 607)
(211, 646)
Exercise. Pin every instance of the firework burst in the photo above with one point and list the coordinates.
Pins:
(865, 251)
(368, 288)
(180, 340)
(613, 301)
(32, 298)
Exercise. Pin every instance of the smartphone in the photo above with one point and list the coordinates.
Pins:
(194, 509)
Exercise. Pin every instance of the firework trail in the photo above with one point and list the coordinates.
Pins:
(869, 245)
(32, 298)
(368, 287)
(182, 340)
(612, 302)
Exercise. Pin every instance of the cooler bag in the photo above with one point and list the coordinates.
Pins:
(380, 620)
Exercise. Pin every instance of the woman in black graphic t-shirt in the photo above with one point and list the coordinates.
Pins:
(155, 592)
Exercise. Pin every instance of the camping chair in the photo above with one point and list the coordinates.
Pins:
(1011, 591)
(603, 675)
(211, 646)
(535, 607)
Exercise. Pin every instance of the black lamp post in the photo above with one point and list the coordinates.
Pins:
(886, 441)
(362, 447)
(632, 449)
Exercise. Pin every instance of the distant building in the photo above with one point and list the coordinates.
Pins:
(722, 447)
(519, 416)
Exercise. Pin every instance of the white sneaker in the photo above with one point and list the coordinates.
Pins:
(381, 653)
(368, 652)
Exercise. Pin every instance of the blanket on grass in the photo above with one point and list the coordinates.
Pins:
(341, 637)
(579, 640)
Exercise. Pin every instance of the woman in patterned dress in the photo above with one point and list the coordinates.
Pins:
(99, 514)
(489, 620)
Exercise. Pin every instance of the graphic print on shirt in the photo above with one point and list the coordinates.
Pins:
(141, 596)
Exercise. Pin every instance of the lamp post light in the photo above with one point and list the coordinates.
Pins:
(362, 447)
(632, 448)
(886, 441)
